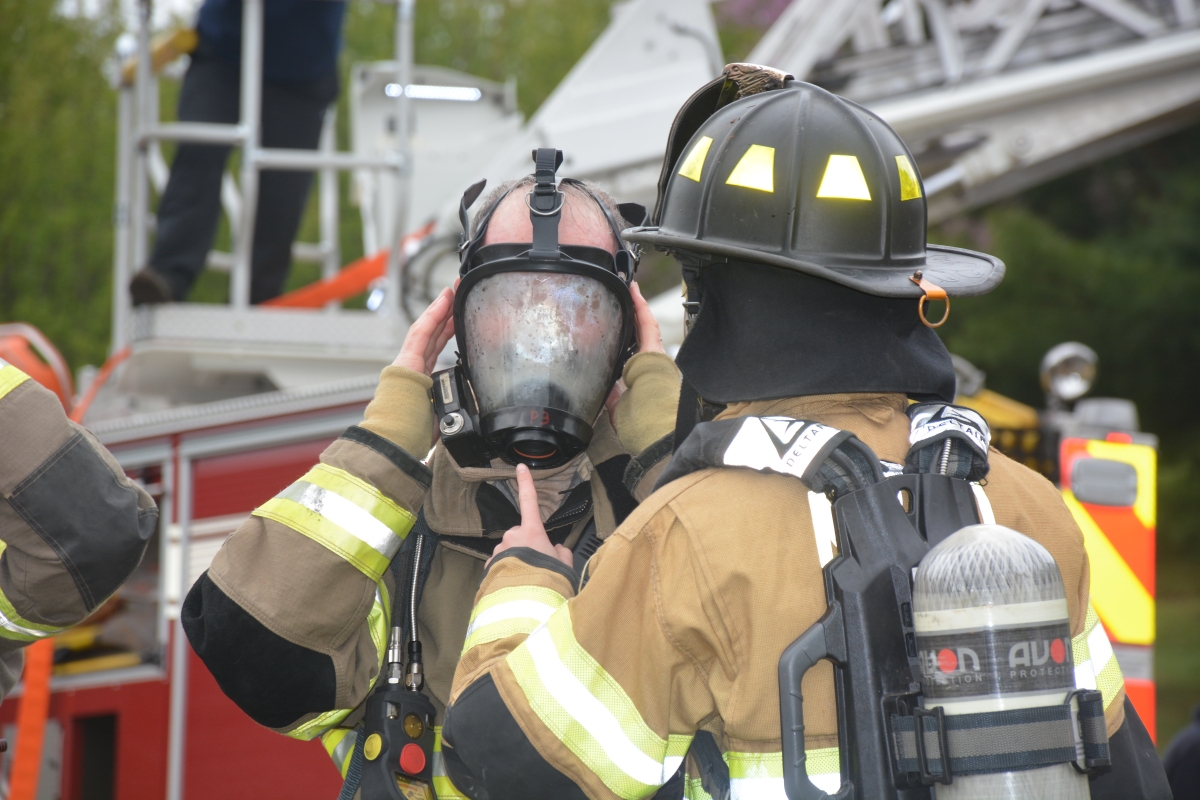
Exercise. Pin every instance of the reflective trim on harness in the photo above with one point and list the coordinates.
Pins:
(1096, 665)
(10, 378)
(510, 611)
(345, 514)
(824, 530)
(588, 711)
(986, 515)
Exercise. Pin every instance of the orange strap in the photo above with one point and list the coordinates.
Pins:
(354, 278)
(931, 292)
(31, 720)
(101, 378)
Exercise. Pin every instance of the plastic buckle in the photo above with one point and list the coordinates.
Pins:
(1093, 700)
(927, 777)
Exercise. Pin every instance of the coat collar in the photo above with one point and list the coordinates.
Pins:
(878, 419)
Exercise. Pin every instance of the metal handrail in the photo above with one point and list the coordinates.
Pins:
(141, 130)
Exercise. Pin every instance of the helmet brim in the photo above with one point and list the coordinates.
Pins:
(962, 273)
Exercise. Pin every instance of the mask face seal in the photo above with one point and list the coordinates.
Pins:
(543, 332)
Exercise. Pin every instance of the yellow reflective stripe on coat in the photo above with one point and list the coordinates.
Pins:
(1096, 664)
(345, 514)
(10, 378)
(15, 627)
(378, 624)
(509, 611)
(442, 787)
(758, 776)
(379, 620)
(589, 712)
(339, 744)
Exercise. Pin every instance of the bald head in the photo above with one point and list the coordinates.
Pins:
(582, 222)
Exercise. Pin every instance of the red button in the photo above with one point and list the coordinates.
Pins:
(412, 759)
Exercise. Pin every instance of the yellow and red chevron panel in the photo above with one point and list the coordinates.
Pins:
(1118, 524)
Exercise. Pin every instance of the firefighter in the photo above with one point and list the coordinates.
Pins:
(292, 618)
(73, 526)
(799, 220)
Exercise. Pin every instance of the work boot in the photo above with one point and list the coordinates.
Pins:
(148, 288)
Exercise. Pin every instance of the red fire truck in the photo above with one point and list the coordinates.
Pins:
(132, 707)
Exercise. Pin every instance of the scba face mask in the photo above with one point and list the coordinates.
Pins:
(543, 331)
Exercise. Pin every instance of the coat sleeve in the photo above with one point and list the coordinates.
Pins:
(73, 526)
(585, 695)
(293, 616)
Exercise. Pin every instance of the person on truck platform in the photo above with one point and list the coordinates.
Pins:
(292, 617)
(799, 220)
(301, 41)
(73, 526)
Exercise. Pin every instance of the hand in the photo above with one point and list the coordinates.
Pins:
(648, 335)
(530, 533)
(428, 335)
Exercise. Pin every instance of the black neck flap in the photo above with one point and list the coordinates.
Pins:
(765, 332)
(545, 205)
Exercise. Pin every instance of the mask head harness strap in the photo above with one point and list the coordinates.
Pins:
(545, 203)
(545, 210)
(468, 199)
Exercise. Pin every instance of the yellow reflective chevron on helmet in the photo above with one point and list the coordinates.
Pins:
(910, 183)
(844, 180)
(693, 165)
(755, 170)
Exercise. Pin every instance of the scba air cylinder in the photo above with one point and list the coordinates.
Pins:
(993, 634)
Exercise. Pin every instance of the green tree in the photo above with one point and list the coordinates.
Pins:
(57, 153)
(1109, 256)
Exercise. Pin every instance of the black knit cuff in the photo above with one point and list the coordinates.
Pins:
(535, 558)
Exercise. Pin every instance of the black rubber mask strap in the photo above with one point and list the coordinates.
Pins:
(545, 205)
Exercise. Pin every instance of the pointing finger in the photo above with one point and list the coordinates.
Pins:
(531, 514)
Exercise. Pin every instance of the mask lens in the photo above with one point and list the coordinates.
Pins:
(541, 340)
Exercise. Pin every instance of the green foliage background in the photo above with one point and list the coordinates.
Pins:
(1109, 256)
(57, 158)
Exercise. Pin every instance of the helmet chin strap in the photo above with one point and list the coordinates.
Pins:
(545, 205)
